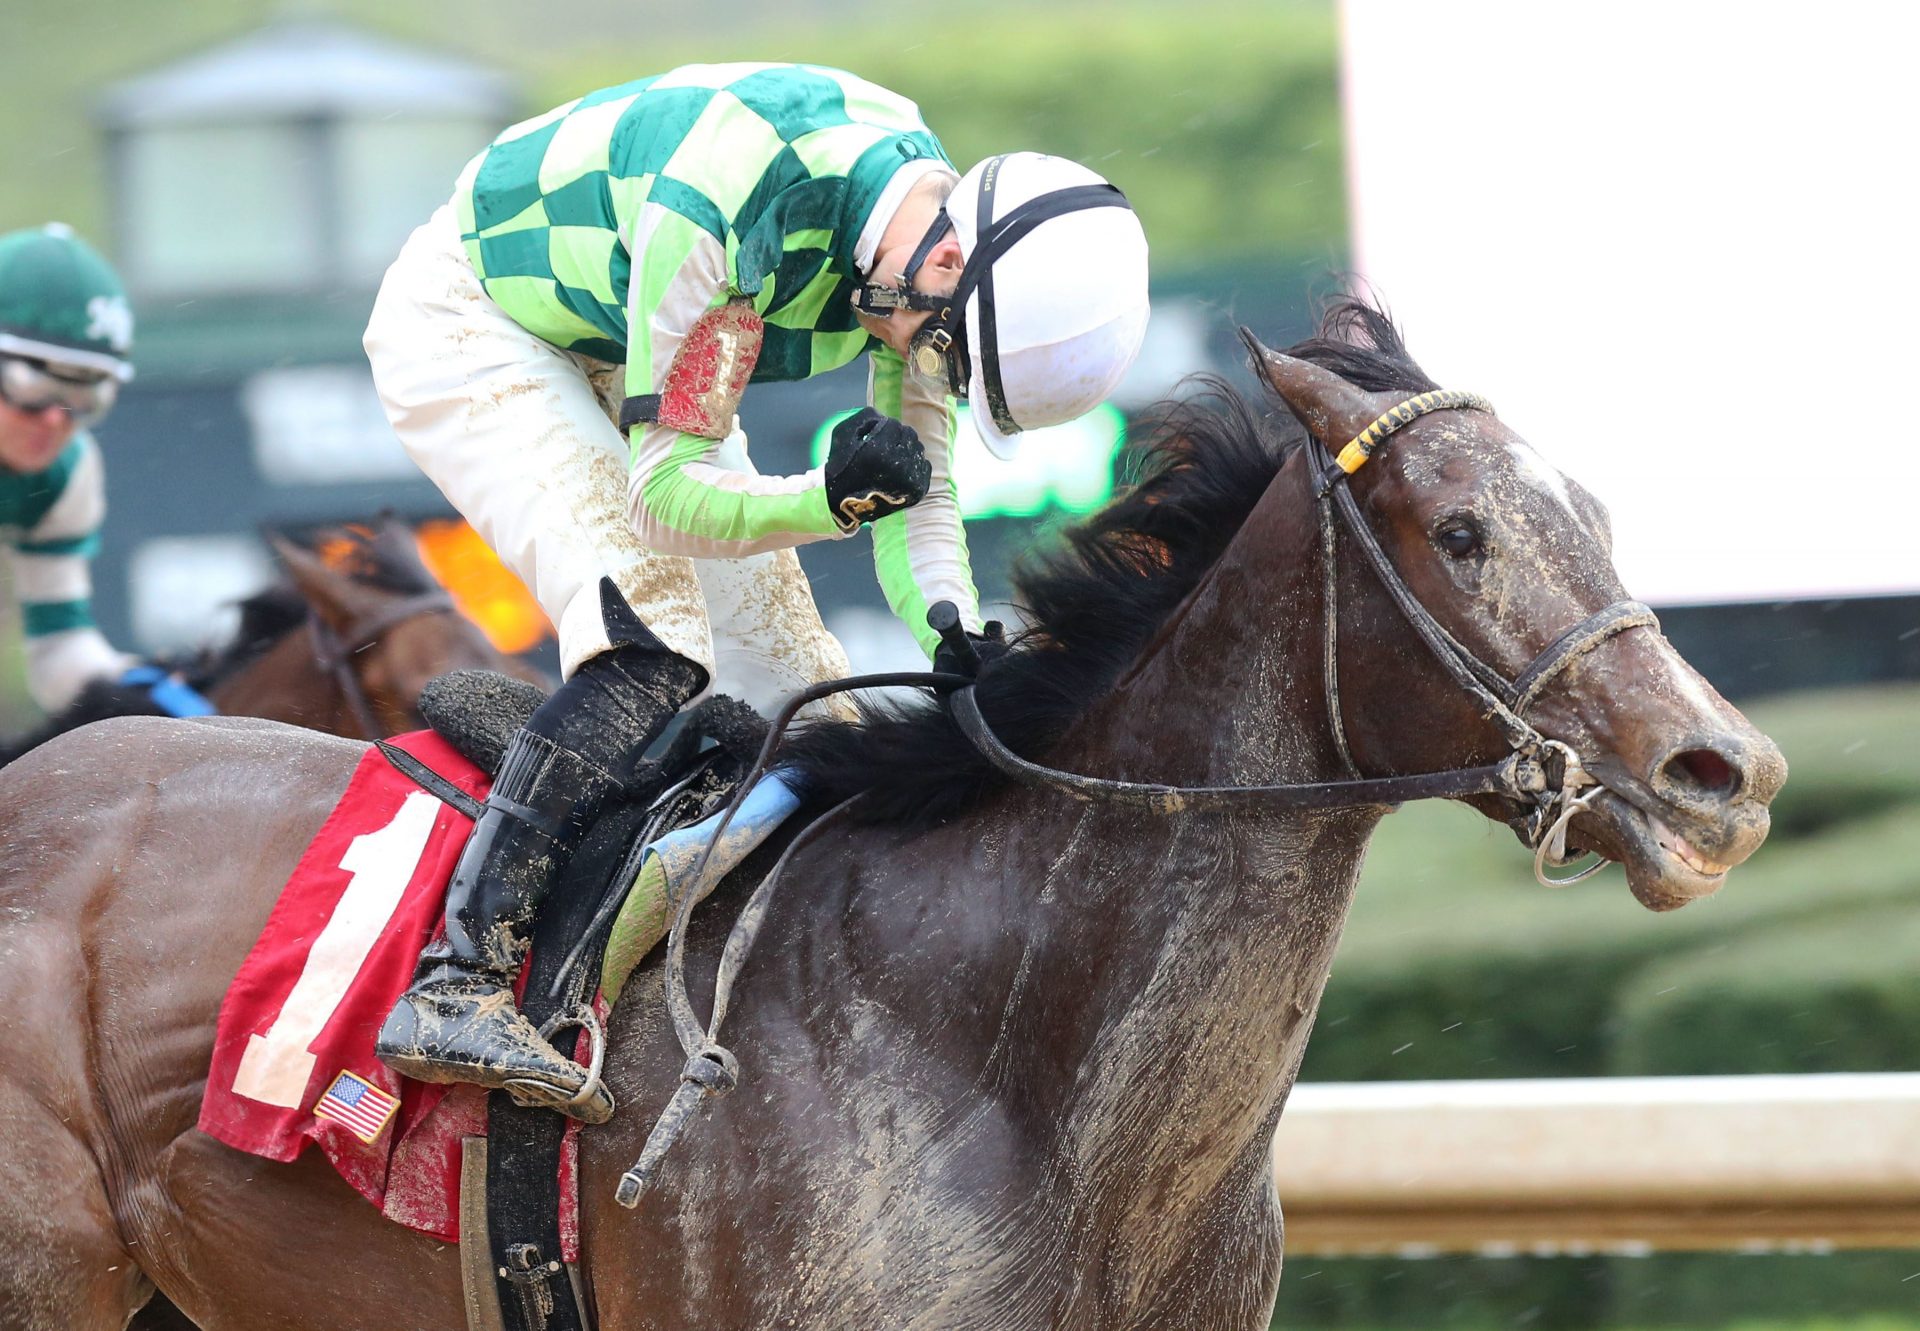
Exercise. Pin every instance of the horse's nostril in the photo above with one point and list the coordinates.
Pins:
(1704, 771)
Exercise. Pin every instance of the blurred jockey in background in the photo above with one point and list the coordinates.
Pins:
(563, 347)
(66, 338)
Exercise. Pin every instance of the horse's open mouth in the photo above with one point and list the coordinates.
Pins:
(1664, 870)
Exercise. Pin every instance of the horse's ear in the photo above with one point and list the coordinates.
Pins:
(396, 547)
(334, 596)
(1333, 409)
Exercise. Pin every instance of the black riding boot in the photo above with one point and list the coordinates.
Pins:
(458, 1021)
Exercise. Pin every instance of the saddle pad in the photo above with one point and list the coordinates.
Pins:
(293, 1058)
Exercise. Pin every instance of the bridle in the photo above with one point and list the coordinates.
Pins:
(334, 652)
(1545, 776)
(1502, 701)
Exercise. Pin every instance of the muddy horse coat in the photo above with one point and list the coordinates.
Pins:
(1010, 1061)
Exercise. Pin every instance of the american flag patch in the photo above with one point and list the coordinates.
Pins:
(358, 1105)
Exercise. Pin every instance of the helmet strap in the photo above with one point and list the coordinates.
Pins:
(991, 240)
(880, 299)
(941, 341)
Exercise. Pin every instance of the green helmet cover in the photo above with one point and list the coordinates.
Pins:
(61, 302)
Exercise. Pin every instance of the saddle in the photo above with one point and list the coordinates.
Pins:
(511, 1245)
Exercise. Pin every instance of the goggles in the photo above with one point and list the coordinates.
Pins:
(941, 343)
(33, 386)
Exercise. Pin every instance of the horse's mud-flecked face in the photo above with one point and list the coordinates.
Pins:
(1508, 553)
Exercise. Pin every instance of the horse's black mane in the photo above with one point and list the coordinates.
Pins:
(1095, 597)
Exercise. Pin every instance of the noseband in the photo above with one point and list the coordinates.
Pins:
(335, 652)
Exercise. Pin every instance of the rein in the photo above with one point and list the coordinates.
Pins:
(1545, 774)
(334, 652)
(1542, 772)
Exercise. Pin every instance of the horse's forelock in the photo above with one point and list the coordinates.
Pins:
(1361, 343)
(386, 556)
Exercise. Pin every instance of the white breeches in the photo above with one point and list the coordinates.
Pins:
(521, 438)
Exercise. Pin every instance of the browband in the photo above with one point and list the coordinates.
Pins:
(1361, 447)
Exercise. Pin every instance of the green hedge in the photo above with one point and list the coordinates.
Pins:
(1456, 964)
(1221, 120)
(1867, 1291)
(1835, 994)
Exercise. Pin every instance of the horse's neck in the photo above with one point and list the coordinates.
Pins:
(1178, 961)
(283, 683)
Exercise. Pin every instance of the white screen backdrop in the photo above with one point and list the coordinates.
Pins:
(1675, 243)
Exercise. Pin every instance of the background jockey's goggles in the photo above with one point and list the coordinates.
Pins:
(941, 343)
(33, 386)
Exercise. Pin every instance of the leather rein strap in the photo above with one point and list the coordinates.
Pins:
(1513, 775)
(1539, 770)
(334, 652)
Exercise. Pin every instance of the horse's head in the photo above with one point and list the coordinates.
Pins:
(1508, 555)
(381, 626)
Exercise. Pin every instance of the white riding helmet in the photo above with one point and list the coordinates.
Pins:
(1051, 306)
(1066, 307)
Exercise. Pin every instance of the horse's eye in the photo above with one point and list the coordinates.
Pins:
(1459, 538)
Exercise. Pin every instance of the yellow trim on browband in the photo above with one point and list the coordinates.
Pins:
(1361, 446)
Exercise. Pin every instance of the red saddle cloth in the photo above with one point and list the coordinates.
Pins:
(293, 1057)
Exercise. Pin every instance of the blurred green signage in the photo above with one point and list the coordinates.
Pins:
(1065, 467)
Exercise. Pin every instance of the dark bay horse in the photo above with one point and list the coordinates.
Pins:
(1010, 1061)
(343, 644)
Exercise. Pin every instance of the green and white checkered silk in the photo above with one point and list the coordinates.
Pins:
(779, 164)
(607, 225)
(50, 531)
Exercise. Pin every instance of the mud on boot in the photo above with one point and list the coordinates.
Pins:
(458, 1022)
(453, 1027)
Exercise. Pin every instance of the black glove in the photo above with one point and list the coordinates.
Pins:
(875, 467)
(988, 647)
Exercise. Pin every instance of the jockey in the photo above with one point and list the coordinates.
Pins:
(563, 348)
(66, 336)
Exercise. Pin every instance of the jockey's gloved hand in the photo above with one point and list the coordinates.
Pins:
(988, 647)
(875, 466)
(168, 692)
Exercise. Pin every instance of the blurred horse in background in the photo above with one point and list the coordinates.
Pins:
(343, 643)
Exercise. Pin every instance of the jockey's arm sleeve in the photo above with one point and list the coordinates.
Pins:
(51, 575)
(679, 499)
(920, 553)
